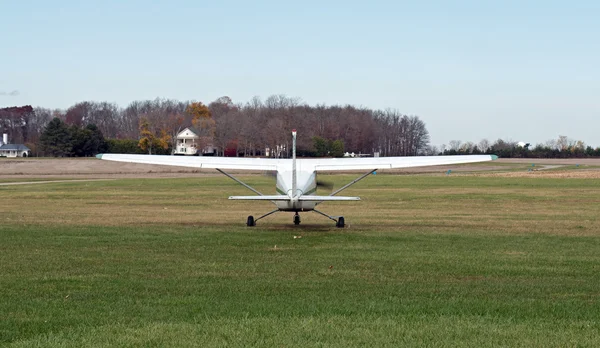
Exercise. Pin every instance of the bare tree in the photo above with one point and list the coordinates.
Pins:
(483, 145)
(455, 145)
(15, 122)
(562, 143)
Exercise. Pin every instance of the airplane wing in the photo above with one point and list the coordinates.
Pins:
(335, 164)
(197, 161)
(319, 164)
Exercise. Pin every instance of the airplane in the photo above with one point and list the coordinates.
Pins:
(297, 178)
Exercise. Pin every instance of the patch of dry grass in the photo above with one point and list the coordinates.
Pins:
(389, 203)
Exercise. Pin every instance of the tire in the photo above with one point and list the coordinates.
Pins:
(340, 223)
(250, 221)
(296, 219)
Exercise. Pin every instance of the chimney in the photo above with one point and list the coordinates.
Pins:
(4, 138)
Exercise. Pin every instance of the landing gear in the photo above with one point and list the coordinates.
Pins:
(252, 221)
(339, 220)
(296, 219)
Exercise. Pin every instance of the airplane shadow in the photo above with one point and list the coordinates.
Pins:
(301, 227)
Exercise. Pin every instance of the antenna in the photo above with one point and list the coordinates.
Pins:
(293, 163)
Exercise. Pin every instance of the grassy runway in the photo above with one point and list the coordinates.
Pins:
(425, 261)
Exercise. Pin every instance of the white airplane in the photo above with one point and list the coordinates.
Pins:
(297, 178)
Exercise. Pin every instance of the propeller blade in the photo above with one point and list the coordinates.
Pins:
(325, 184)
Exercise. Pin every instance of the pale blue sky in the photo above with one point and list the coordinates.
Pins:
(517, 70)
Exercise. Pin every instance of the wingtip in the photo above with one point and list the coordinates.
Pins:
(99, 156)
(494, 157)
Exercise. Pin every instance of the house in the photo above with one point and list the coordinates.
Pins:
(188, 142)
(12, 150)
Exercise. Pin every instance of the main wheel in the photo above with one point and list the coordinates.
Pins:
(340, 223)
(250, 221)
(296, 219)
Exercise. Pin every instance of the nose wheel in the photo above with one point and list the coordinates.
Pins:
(296, 219)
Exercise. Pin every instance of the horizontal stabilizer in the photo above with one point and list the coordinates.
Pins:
(327, 198)
(301, 198)
(261, 198)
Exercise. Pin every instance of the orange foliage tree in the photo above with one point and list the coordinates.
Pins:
(203, 122)
(150, 140)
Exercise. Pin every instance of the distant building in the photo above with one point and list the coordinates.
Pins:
(188, 143)
(12, 150)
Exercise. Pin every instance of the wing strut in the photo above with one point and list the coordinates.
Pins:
(240, 182)
(353, 182)
(267, 214)
(325, 215)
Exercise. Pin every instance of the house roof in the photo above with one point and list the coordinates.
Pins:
(191, 129)
(13, 147)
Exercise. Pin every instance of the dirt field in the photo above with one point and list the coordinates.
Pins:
(89, 168)
(92, 168)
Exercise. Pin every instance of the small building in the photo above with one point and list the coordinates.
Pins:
(12, 150)
(188, 142)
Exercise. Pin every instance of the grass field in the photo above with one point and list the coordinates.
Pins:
(425, 261)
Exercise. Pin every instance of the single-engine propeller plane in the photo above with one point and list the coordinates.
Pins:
(297, 178)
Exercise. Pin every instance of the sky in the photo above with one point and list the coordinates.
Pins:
(471, 70)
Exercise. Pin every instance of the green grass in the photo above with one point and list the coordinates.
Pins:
(425, 261)
(21, 179)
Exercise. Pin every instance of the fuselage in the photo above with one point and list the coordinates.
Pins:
(294, 182)
(306, 184)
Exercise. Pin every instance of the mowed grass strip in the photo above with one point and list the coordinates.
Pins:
(441, 261)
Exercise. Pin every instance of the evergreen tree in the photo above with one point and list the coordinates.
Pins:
(80, 144)
(87, 141)
(321, 146)
(337, 148)
(56, 139)
(97, 142)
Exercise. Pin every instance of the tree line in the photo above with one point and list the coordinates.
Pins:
(562, 147)
(247, 129)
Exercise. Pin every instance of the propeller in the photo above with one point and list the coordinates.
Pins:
(325, 184)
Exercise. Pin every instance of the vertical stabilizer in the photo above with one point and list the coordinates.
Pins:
(294, 163)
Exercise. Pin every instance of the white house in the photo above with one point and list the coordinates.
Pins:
(12, 150)
(187, 143)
